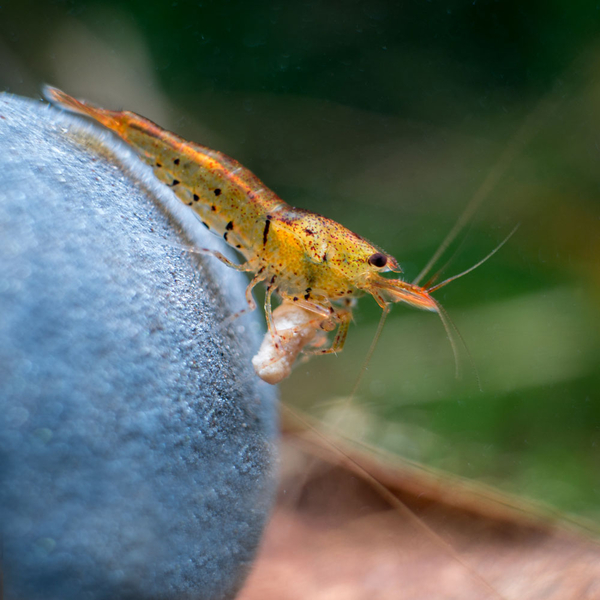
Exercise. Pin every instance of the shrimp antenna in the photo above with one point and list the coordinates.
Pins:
(520, 139)
(478, 264)
(451, 331)
(450, 327)
(346, 402)
(384, 314)
(457, 250)
(385, 493)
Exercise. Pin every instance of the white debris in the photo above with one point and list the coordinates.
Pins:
(296, 328)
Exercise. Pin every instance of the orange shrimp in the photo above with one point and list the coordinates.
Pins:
(317, 267)
(312, 262)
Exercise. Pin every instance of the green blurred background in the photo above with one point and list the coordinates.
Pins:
(388, 117)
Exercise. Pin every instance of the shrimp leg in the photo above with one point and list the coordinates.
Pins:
(260, 276)
(330, 319)
(269, 314)
(344, 317)
(244, 267)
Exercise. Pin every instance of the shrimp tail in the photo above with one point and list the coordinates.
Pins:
(108, 118)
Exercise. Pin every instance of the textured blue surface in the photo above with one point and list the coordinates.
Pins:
(136, 444)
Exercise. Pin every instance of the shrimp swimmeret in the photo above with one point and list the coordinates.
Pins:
(315, 265)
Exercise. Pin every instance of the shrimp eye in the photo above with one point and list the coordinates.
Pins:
(378, 259)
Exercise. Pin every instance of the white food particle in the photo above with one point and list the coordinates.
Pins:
(296, 327)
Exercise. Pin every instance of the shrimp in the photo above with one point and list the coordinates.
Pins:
(310, 261)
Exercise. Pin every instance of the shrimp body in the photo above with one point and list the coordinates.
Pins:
(306, 258)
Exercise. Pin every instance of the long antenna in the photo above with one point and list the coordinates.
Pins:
(448, 262)
(520, 139)
(394, 501)
(477, 264)
(447, 322)
(384, 314)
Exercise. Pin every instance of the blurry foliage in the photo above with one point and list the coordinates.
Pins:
(387, 116)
